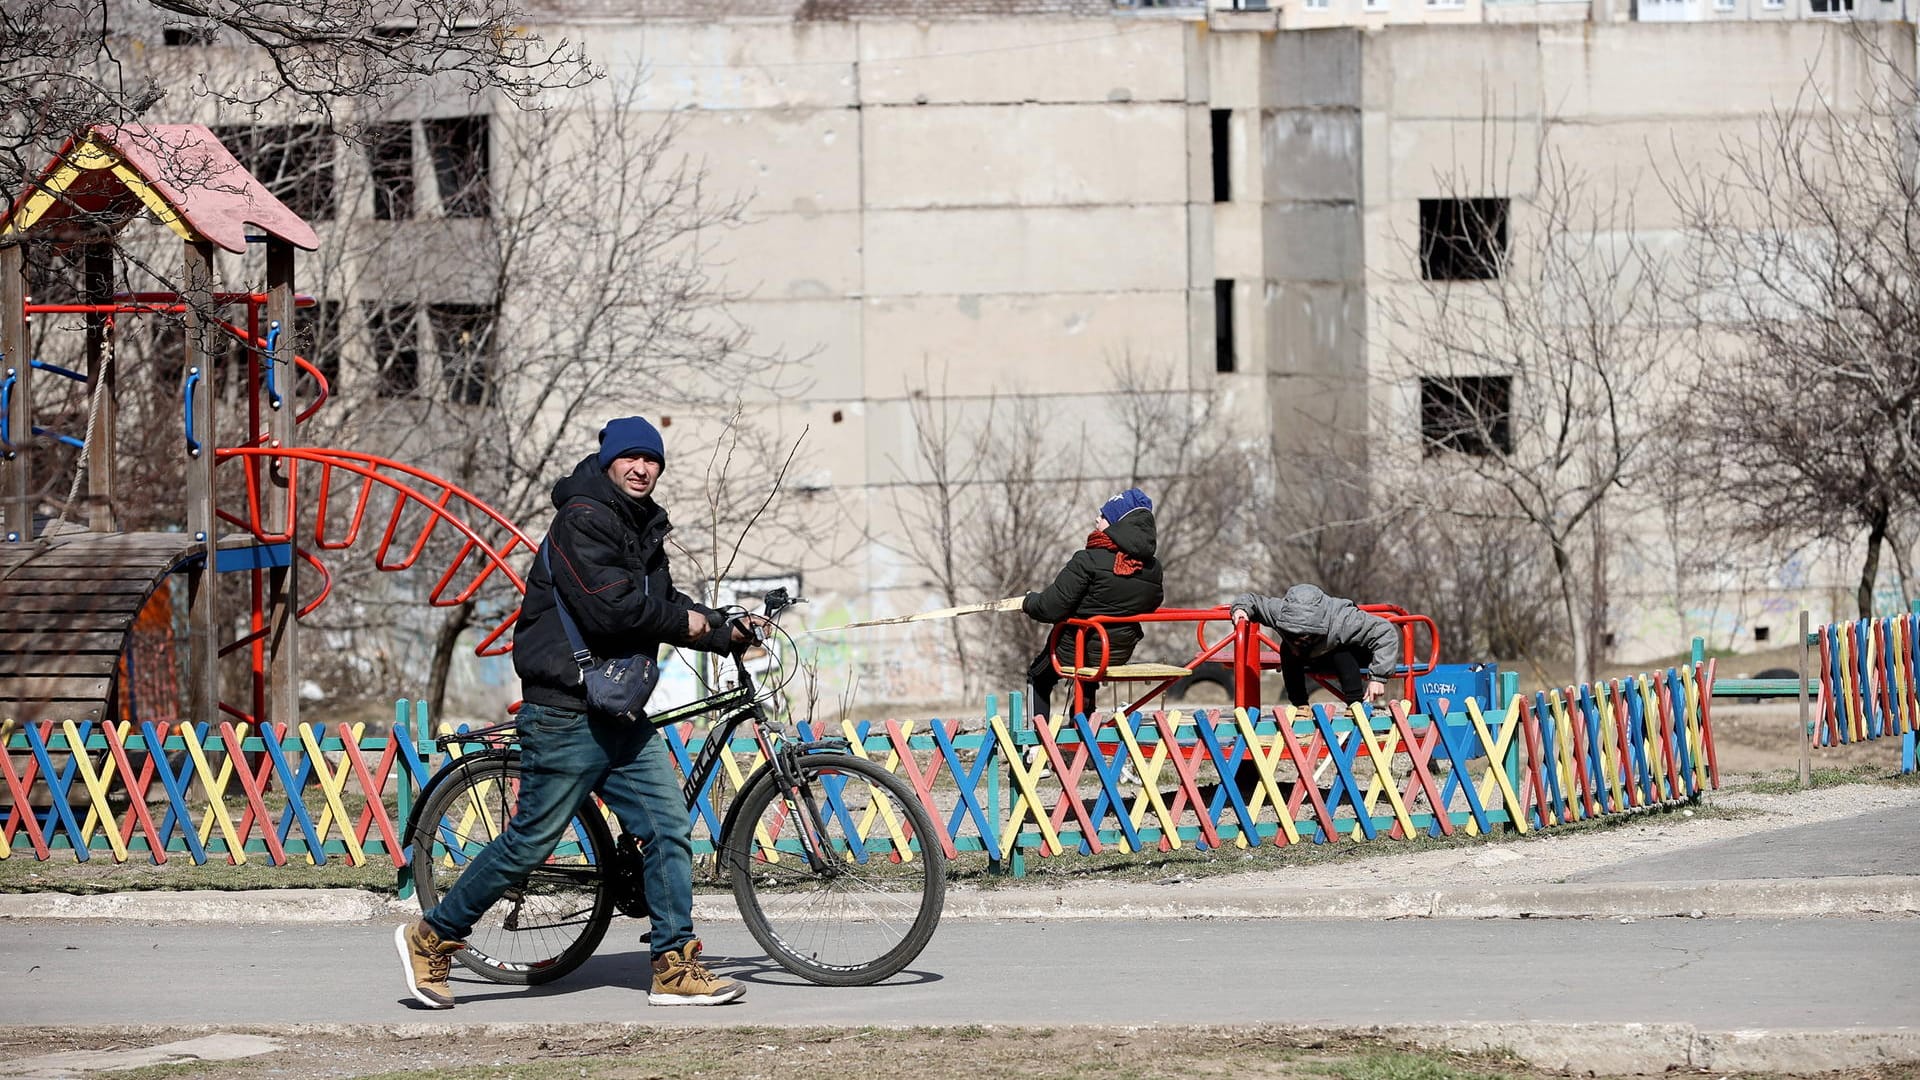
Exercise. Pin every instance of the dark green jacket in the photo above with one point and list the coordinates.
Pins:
(1087, 586)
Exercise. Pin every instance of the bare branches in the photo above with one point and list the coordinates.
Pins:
(1805, 417)
(1532, 380)
(65, 64)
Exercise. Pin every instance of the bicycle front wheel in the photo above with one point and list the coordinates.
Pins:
(853, 903)
(543, 927)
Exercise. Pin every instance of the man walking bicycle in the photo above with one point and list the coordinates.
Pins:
(605, 560)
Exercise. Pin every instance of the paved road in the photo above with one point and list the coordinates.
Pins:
(1833, 974)
(1881, 842)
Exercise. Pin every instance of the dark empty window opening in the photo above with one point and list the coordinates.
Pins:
(1223, 326)
(1467, 415)
(1222, 165)
(1607, 640)
(1462, 239)
(463, 335)
(190, 35)
(390, 159)
(316, 339)
(293, 161)
(396, 350)
(1829, 7)
(1763, 633)
(459, 146)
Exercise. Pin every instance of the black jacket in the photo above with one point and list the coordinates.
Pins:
(608, 553)
(1087, 586)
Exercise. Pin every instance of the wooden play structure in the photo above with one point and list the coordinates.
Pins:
(71, 583)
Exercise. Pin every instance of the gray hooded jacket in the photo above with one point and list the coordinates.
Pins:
(1336, 622)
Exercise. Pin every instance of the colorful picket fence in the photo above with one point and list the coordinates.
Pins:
(1867, 688)
(154, 789)
(1008, 790)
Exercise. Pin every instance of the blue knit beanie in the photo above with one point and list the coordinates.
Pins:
(1125, 503)
(630, 435)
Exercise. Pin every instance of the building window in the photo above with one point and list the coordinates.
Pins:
(1446, 3)
(396, 350)
(1467, 415)
(1829, 7)
(459, 146)
(1376, 5)
(1773, 5)
(1462, 239)
(1316, 5)
(1222, 163)
(316, 338)
(293, 161)
(390, 159)
(463, 336)
(1223, 326)
(190, 35)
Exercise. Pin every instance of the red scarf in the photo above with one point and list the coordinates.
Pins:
(1124, 565)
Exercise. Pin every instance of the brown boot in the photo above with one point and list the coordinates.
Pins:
(427, 958)
(679, 978)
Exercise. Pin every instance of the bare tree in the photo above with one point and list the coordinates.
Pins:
(930, 507)
(1185, 454)
(66, 64)
(1532, 339)
(1805, 418)
(1025, 519)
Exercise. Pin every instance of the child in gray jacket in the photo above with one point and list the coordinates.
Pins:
(1325, 635)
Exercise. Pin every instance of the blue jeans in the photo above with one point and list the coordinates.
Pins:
(563, 757)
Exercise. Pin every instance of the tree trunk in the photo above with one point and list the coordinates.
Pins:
(1902, 560)
(1870, 568)
(1576, 627)
(459, 617)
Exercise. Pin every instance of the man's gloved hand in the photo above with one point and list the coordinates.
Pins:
(749, 627)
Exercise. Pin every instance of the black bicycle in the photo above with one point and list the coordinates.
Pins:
(835, 864)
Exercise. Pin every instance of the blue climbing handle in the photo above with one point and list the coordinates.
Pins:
(273, 341)
(6, 412)
(193, 380)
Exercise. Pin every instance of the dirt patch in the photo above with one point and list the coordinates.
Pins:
(958, 1053)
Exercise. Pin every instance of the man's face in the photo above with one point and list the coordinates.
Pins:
(634, 475)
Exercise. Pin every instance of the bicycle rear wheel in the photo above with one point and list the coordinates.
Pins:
(872, 904)
(547, 925)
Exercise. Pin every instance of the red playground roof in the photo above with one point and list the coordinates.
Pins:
(179, 172)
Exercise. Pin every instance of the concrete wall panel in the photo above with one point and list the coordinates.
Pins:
(1025, 155)
(722, 65)
(1311, 154)
(1629, 71)
(1459, 73)
(1312, 70)
(1016, 60)
(1312, 242)
(820, 339)
(1093, 250)
(972, 345)
(786, 160)
(789, 256)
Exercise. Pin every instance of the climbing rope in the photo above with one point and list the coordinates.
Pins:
(99, 381)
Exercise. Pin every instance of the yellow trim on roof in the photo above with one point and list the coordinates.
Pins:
(91, 156)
